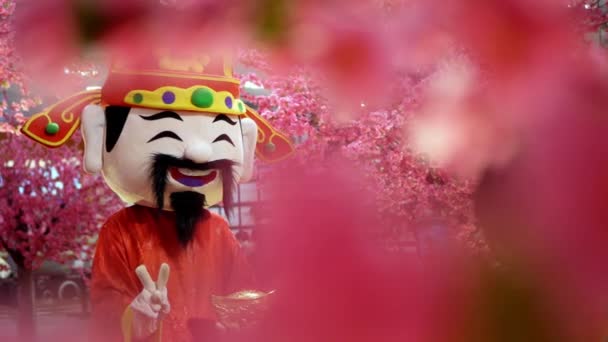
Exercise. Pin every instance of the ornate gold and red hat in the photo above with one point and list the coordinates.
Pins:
(199, 84)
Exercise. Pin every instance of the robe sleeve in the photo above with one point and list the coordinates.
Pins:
(113, 286)
(238, 271)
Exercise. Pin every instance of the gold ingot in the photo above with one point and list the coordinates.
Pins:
(241, 309)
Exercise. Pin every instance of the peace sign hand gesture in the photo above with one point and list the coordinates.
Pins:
(152, 303)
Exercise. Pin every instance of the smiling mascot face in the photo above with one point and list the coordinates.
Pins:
(146, 155)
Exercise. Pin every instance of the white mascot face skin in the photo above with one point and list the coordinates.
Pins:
(181, 135)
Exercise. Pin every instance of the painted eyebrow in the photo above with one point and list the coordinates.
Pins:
(162, 115)
(224, 117)
(165, 134)
(225, 138)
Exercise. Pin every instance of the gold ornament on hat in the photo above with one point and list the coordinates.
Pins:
(196, 64)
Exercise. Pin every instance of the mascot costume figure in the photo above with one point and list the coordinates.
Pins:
(171, 137)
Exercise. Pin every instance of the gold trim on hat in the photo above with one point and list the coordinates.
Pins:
(185, 99)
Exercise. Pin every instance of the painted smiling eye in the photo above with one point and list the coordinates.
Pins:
(165, 134)
(225, 118)
(224, 137)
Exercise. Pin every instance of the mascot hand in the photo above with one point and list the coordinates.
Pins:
(152, 303)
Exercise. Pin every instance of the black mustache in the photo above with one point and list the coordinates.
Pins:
(162, 162)
(168, 161)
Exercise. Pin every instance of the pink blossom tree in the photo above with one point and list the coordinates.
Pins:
(411, 191)
(49, 210)
(594, 13)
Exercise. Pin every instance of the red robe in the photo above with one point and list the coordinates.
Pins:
(211, 264)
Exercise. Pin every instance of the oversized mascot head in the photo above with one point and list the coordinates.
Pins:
(166, 133)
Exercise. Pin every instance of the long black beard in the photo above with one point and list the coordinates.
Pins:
(189, 205)
(188, 208)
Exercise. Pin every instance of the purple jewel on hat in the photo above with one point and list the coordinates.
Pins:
(168, 97)
(228, 102)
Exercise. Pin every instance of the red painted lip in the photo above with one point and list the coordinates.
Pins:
(192, 181)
